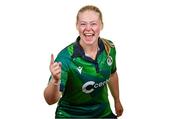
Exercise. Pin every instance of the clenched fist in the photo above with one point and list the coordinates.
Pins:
(118, 108)
(55, 69)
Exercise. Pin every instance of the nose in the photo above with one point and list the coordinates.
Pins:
(88, 27)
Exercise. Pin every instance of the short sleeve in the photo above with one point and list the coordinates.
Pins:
(113, 55)
(63, 58)
(64, 78)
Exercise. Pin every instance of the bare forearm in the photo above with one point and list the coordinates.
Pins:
(52, 93)
(114, 86)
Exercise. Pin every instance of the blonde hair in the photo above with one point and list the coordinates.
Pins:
(91, 8)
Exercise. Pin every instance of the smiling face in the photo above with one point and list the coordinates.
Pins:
(89, 26)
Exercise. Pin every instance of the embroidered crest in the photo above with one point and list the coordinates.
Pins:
(109, 60)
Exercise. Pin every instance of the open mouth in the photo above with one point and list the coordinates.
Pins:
(88, 34)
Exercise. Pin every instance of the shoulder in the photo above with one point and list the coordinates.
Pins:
(109, 46)
(108, 42)
(65, 53)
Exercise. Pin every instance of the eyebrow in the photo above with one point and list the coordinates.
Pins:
(88, 22)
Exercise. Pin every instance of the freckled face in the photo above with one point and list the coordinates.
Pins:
(89, 26)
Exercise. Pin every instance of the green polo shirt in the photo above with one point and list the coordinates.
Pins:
(84, 81)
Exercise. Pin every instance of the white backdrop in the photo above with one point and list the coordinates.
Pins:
(146, 35)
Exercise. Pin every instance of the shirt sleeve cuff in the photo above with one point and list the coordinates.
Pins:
(113, 71)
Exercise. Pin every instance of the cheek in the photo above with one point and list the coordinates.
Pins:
(80, 29)
(97, 30)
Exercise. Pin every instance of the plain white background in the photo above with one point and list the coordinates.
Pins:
(146, 35)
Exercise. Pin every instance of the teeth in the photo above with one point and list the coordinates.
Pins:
(88, 34)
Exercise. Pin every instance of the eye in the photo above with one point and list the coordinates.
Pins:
(93, 24)
(82, 24)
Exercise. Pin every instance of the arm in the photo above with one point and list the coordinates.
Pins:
(51, 92)
(114, 89)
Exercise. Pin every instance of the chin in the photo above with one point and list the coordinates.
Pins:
(89, 42)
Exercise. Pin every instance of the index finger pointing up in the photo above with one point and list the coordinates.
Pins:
(52, 59)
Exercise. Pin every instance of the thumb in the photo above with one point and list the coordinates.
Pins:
(60, 64)
(52, 59)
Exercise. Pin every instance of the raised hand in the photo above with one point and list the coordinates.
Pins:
(55, 69)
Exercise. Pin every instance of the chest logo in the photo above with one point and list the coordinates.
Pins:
(109, 60)
(79, 69)
(90, 86)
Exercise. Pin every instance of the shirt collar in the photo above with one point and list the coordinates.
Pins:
(79, 51)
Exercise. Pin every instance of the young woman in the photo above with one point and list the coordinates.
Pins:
(82, 70)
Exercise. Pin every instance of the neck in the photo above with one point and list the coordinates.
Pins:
(90, 50)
